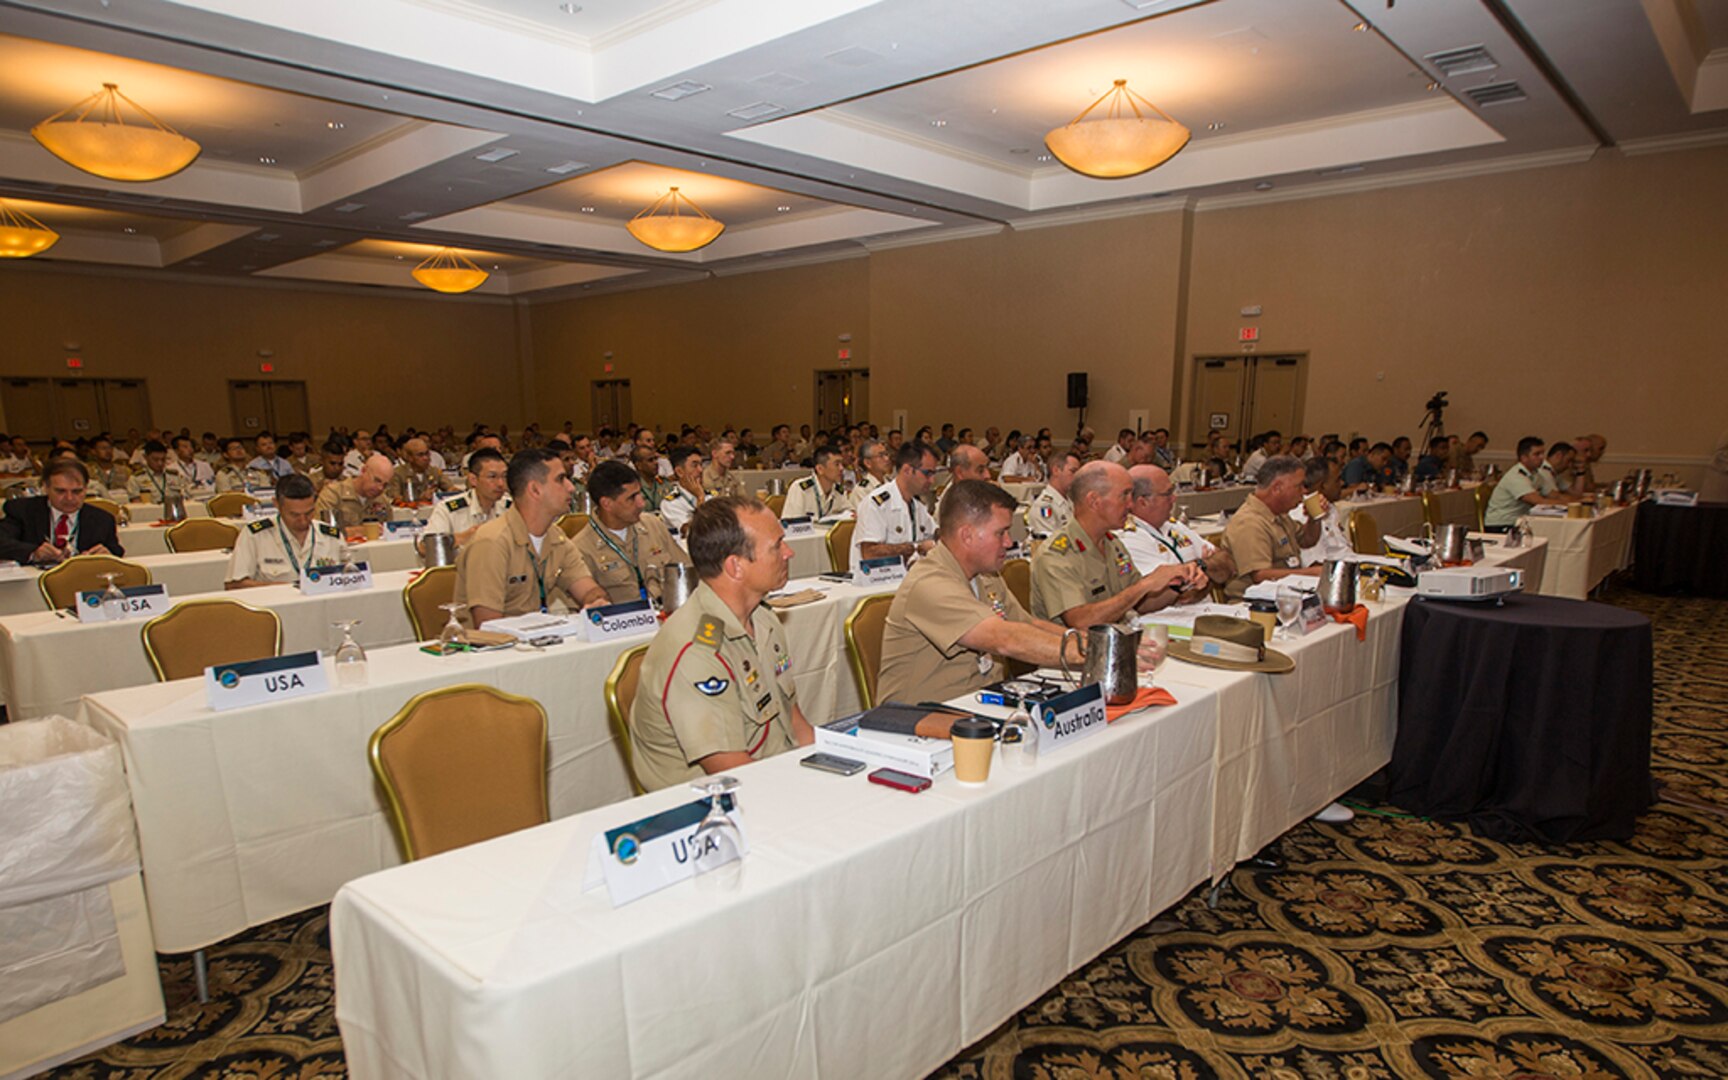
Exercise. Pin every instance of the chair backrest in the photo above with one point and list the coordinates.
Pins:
(1365, 534)
(1483, 493)
(620, 695)
(422, 597)
(109, 505)
(1017, 575)
(864, 643)
(1431, 509)
(459, 765)
(195, 634)
(61, 585)
(775, 503)
(573, 524)
(229, 504)
(840, 546)
(201, 534)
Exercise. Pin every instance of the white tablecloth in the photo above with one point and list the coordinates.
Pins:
(1583, 551)
(1207, 503)
(144, 513)
(875, 934)
(254, 813)
(49, 660)
(756, 480)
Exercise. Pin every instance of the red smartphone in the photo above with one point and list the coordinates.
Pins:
(899, 780)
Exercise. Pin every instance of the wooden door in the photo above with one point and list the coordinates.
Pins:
(1220, 386)
(29, 408)
(287, 407)
(1276, 395)
(250, 407)
(126, 404)
(77, 408)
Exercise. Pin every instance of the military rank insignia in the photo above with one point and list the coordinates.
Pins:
(708, 632)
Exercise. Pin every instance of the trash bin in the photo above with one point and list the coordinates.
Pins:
(77, 961)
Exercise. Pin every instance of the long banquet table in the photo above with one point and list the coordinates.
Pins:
(1583, 551)
(254, 813)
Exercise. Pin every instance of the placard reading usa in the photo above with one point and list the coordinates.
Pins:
(276, 678)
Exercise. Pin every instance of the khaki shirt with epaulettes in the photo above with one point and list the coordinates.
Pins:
(145, 487)
(1073, 570)
(715, 484)
(711, 685)
(232, 478)
(458, 513)
(936, 606)
(110, 480)
(1048, 513)
(260, 554)
(498, 568)
(344, 500)
(1260, 540)
(432, 482)
(648, 547)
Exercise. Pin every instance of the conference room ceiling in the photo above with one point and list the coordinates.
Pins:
(343, 142)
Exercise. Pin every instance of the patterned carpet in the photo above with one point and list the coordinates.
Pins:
(1389, 947)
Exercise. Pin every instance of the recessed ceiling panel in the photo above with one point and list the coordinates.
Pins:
(619, 193)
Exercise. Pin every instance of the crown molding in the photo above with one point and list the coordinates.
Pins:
(1103, 212)
(1575, 155)
(20, 266)
(1662, 144)
(933, 236)
(852, 250)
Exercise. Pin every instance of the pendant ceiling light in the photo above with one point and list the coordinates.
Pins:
(674, 223)
(21, 235)
(448, 272)
(1130, 136)
(94, 135)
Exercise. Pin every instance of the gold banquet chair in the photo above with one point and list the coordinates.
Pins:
(459, 765)
(1431, 512)
(422, 598)
(775, 503)
(621, 687)
(61, 585)
(229, 504)
(1365, 534)
(196, 634)
(111, 506)
(1017, 575)
(201, 534)
(840, 546)
(864, 643)
(1484, 491)
(572, 524)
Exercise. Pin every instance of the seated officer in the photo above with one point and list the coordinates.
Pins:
(718, 478)
(154, 482)
(46, 529)
(519, 563)
(685, 493)
(818, 495)
(1520, 488)
(1050, 509)
(1370, 470)
(108, 474)
(892, 520)
(646, 459)
(486, 498)
(1555, 475)
(623, 548)
(1084, 576)
(362, 498)
(1432, 465)
(1154, 540)
(953, 620)
(716, 687)
(417, 465)
(967, 462)
(1261, 536)
(232, 474)
(273, 551)
(1320, 476)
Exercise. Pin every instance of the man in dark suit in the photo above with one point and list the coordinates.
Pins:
(46, 529)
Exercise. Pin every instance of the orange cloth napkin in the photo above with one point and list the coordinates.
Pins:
(1358, 616)
(1145, 699)
(162, 524)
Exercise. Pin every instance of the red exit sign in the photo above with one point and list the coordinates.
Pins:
(1248, 333)
(74, 362)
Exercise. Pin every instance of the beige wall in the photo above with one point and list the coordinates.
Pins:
(365, 358)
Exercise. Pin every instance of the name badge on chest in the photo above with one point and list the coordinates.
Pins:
(254, 682)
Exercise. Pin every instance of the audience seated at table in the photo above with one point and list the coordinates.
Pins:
(47, 529)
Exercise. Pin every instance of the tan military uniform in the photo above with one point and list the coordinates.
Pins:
(624, 567)
(266, 551)
(459, 513)
(305, 463)
(711, 685)
(1462, 460)
(776, 454)
(499, 570)
(805, 498)
(1260, 540)
(343, 499)
(716, 484)
(922, 658)
(1073, 569)
(232, 478)
(147, 487)
(1048, 513)
(109, 481)
(432, 483)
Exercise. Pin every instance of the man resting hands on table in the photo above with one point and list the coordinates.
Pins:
(716, 687)
(273, 551)
(519, 562)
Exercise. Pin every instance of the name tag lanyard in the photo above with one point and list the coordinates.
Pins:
(1162, 539)
(161, 486)
(635, 544)
(288, 545)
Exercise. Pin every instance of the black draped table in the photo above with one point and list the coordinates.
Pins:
(1529, 720)
(1681, 549)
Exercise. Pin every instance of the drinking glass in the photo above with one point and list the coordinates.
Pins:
(1289, 603)
(348, 566)
(450, 638)
(350, 657)
(717, 845)
(113, 600)
(1019, 740)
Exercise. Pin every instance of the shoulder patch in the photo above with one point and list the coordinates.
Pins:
(457, 502)
(329, 530)
(261, 525)
(881, 497)
(1059, 542)
(708, 632)
(806, 482)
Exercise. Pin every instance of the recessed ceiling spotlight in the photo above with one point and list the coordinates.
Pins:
(335, 125)
(266, 161)
(1264, 185)
(1360, 28)
(938, 123)
(782, 209)
(570, 9)
(1216, 125)
(1045, 157)
(130, 230)
(401, 256)
(1433, 86)
(587, 209)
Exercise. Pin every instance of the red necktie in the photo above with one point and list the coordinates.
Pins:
(62, 531)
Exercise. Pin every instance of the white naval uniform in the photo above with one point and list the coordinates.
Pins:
(1151, 548)
(1333, 543)
(677, 508)
(1016, 465)
(265, 551)
(884, 518)
(460, 512)
(1048, 514)
(805, 499)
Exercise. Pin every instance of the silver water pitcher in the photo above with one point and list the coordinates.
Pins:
(776, 486)
(677, 582)
(1448, 543)
(1338, 586)
(436, 549)
(1643, 477)
(173, 507)
(1451, 478)
(1111, 662)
